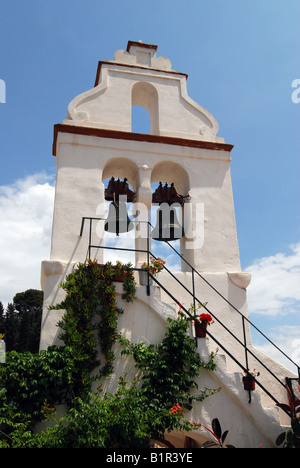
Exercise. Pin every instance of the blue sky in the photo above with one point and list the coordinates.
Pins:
(241, 58)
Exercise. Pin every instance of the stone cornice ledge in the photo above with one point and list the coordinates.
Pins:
(104, 133)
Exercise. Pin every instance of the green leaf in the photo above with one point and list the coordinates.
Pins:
(209, 443)
(295, 423)
(224, 435)
(217, 428)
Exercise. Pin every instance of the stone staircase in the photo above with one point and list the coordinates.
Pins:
(250, 425)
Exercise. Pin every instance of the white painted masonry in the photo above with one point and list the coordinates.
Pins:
(94, 143)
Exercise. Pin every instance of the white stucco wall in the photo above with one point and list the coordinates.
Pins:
(183, 148)
(79, 192)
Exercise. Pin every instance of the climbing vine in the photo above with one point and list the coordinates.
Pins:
(169, 368)
(92, 312)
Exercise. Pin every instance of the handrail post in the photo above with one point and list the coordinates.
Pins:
(194, 305)
(90, 238)
(193, 285)
(246, 357)
(148, 258)
(81, 227)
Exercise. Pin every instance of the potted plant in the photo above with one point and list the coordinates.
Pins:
(291, 437)
(154, 267)
(201, 324)
(249, 379)
(118, 273)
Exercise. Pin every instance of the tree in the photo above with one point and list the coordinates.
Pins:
(29, 306)
(2, 319)
(11, 334)
(29, 301)
(21, 323)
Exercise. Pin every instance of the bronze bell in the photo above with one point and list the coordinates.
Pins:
(167, 226)
(118, 221)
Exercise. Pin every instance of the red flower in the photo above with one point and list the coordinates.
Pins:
(176, 408)
(206, 318)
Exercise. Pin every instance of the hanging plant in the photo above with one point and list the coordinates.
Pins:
(202, 323)
(155, 265)
(249, 379)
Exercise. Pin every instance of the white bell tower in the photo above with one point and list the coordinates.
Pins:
(183, 153)
(96, 142)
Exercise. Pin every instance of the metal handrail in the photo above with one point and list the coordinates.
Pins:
(195, 299)
(231, 305)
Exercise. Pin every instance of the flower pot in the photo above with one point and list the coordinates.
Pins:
(143, 276)
(249, 382)
(118, 278)
(200, 328)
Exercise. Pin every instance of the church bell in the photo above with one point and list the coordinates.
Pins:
(118, 221)
(167, 226)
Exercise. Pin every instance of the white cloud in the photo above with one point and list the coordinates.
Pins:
(287, 338)
(274, 288)
(123, 241)
(160, 249)
(26, 211)
(26, 208)
(274, 294)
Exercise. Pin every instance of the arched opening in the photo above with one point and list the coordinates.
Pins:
(140, 120)
(171, 174)
(145, 95)
(162, 249)
(120, 240)
(121, 170)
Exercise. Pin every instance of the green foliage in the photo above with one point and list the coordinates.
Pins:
(22, 321)
(112, 421)
(31, 385)
(28, 382)
(219, 436)
(29, 301)
(291, 437)
(170, 367)
(90, 296)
